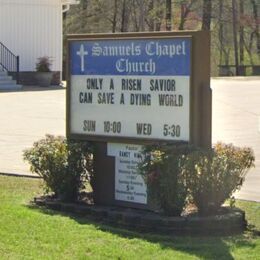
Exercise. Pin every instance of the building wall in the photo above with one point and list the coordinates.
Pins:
(31, 29)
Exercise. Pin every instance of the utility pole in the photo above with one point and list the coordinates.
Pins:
(234, 11)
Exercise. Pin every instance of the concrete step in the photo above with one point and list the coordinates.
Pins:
(7, 82)
(10, 87)
(3, 78)
(3, 73)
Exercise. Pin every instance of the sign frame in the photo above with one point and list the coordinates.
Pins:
(200, 111)
(129, 36)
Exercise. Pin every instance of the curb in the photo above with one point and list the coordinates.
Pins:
(21, 175)
(243, 78)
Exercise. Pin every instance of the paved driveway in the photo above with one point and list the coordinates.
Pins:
(236, 119)
(26, 116)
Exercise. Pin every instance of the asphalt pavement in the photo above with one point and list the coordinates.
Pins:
(236, 119)
(25, 117)
(29, 114)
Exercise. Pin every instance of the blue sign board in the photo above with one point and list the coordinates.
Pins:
(152, 57)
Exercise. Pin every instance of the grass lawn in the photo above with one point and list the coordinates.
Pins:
(28, 232)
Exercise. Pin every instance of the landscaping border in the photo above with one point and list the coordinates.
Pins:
(231, 221)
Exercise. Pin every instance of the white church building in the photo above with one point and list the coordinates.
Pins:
(31, 29)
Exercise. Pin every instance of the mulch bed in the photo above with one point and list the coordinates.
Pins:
(226, 222)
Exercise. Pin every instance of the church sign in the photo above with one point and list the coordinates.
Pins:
(127, 90)
(131, 88)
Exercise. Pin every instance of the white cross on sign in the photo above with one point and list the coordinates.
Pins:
(82, 54)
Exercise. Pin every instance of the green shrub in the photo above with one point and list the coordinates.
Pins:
(176, 175)
(166, 184)
(64, 165)
(213, 176)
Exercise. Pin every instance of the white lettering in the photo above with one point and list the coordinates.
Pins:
(124, 65)
(156, 49)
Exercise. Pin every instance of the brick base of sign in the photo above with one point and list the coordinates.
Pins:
(230, 221)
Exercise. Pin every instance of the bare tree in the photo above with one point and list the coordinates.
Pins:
(234, 15)
(84, 5)
(241, 32)
(150, 18)
(141, 15)
(168, 15)
(206, 18)
(186, 8)
(155, 14)
(256, 18)
(115, 11)
(158, 14)
(221, 31)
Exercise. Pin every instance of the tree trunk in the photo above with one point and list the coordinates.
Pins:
(83, 12)
(221, 31)
(150, 17)
(159, 15)
(125, 16)
(182, 21)
(249, 48)
(234, 14)
(206, 18)
(142, 15)
(257, 33)
(241, 32)
(114, 16)
(185, 10)
(168, 15)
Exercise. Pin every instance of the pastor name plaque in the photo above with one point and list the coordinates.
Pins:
(129, 185)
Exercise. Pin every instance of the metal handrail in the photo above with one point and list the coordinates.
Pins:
(9, 62)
